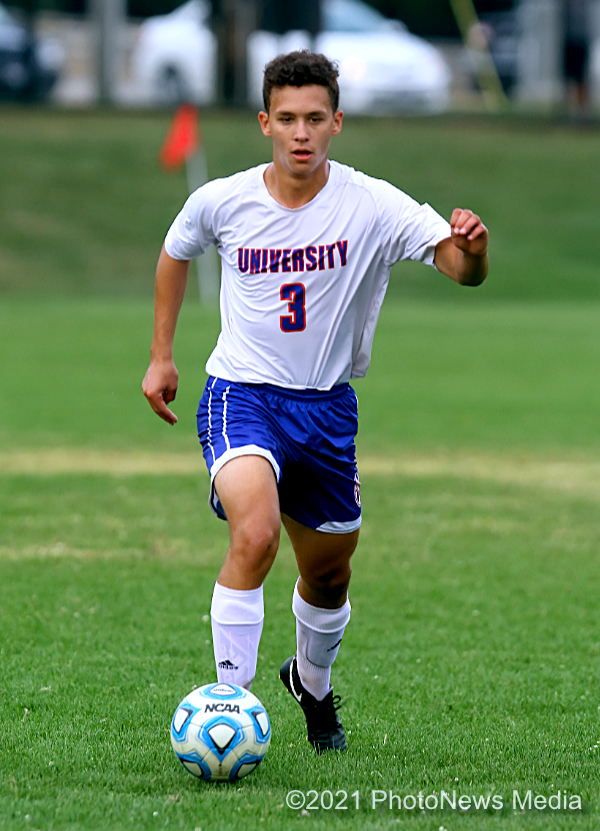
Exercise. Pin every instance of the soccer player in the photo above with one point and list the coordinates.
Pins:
(306, 246)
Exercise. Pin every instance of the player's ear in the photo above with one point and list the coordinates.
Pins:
(263, 119)
(338, 117)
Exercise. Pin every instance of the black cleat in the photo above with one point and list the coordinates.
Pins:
(325, 730)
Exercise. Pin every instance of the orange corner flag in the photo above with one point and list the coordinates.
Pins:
(183, 138)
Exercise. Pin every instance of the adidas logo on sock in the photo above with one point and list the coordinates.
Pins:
(226, 665)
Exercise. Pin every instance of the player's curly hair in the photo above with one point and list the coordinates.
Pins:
(298, 69)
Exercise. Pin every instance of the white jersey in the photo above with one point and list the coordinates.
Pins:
(301, 288)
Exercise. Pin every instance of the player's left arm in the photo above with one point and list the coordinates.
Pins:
(463, 256)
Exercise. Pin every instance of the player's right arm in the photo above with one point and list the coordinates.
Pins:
(160, 383)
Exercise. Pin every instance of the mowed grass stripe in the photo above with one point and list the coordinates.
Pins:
(69, 460)
(576, 476)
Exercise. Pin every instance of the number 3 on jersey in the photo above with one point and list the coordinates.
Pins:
(296, 320)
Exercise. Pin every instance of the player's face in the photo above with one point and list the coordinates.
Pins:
(301, 123)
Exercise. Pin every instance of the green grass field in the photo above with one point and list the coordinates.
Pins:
(472, 659)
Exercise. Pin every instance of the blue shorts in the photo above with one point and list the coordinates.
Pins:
(306, 435)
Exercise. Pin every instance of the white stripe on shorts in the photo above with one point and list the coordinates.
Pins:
(225, 436)
(208, 438)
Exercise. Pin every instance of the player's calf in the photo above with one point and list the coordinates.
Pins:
(328, 590)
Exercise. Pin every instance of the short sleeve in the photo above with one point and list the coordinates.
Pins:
(193, 229)
(410, 231)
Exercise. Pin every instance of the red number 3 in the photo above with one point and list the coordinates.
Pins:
(296, 320)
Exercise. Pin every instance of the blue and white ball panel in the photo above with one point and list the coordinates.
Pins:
(220, 692)
(181, 719)
(220, 732)
(262, 725)
(195, 764)
(306, 435)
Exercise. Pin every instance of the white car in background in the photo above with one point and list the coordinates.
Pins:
(175, 57)
(383, 67)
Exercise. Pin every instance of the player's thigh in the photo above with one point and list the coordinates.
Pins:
(247, 489)
(323, 559)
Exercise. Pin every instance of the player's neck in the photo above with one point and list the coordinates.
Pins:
(295, 191)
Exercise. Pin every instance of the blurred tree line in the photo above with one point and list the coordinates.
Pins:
(429, 18)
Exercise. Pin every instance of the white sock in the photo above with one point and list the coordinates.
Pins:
(237, 622)
(319, 633)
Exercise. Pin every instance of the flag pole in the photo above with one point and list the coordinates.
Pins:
(207, 264)
(184, 144)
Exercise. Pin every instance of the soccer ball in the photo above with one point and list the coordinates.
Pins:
(220, 732)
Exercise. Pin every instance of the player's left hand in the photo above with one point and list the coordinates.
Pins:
(468, 232)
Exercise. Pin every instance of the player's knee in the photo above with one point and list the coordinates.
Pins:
(256, 543)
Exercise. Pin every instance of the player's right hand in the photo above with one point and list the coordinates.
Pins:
(160, 388)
